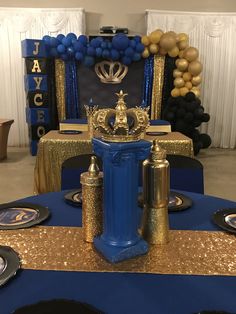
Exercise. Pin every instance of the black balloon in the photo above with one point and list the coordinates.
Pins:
(206, 117)
(198, 113)
(205, 140)
(196, 147)
(180, 125)
(180, 113)
(195, 135)
(188, 117)
(169, 116)
(190, 96)
(197, 123)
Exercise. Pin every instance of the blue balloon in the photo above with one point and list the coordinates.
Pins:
(95, 43)
(47, 39)
(136, 56)
(132, 43)
(83, 39)
(114, 54)
(126, 60)
(79, 56)
(103, 45)
(106, 54)
(120, 41)
(88, 61)
(98, 52)
(66, 41)
(137, 38)
(64, 57)
(129, 52)
(140, 47)
(78, 46)
(54, 42)
(61, 48)
(70, 51)
(71, 36)
(60, 37)
(53, 52)
(91, 51)
(109, 45)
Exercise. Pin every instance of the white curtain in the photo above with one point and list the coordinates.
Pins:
(214, 35)
(17, 24)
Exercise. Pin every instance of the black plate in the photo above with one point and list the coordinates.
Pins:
(156, 133)
(17, 215)
(177, 201)
(9, 263)
(70, 132)
(59, 306)
(74, 197)
(226, 219)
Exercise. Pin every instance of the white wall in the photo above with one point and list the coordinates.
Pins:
(126, 13)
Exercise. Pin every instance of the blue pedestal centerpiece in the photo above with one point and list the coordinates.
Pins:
(120, 239)
(121, 149)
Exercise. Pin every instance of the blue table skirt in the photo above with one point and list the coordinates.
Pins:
(121, 293)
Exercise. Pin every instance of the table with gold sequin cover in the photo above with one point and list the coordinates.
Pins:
(54, 148)
(195, 271)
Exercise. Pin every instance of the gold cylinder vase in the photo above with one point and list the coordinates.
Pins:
(92, 201)
(155, 224)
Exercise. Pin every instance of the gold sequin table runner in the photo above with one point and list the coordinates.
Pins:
(54, 148)
(63, 249)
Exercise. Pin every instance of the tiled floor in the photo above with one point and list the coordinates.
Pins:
(17, 172)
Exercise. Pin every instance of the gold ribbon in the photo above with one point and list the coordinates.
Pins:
(63, 248)
(158, 76)
(60, 88)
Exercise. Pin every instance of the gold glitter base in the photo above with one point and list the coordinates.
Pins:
(63, 248)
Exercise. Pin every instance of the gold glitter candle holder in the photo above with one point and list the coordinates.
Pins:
(90, 111)
(92, 201)
(155, 224)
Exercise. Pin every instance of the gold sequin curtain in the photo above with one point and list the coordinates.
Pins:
(60, 88)
(158, 76)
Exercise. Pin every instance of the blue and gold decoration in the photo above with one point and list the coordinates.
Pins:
(121, 149)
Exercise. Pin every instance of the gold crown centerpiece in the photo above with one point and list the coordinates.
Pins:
(111, 72)
(121, 124)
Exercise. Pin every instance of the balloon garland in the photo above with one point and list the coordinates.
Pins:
(71, 47)
(188, 68)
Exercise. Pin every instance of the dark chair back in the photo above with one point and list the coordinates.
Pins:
(186, 174)
(73, 167)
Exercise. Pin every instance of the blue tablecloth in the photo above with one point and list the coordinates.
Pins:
(121, 293)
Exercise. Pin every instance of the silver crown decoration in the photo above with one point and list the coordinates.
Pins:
(111, 72)
(121, 124)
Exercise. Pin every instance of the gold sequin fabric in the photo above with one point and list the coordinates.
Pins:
(63, 248)
(54, 148)
(158, 77)
(60, 88)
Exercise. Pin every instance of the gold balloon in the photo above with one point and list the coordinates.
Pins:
(162, 51)
(177, 73)
(182, 64)
(188, 85)
(145, 40)
(155, 36)
(175, 92)
(153, 48)
(183, 91)
(182, 44)
(182, 36)
(181, 54)
(173, 52)
(195, 68)
(196, 80)
(145, 53)
(187, 76)
(172, 33)
(179, 82)
(191, 54)
(196, 91)
(167, 41)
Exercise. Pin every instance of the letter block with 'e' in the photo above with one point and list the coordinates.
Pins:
(37, 116)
